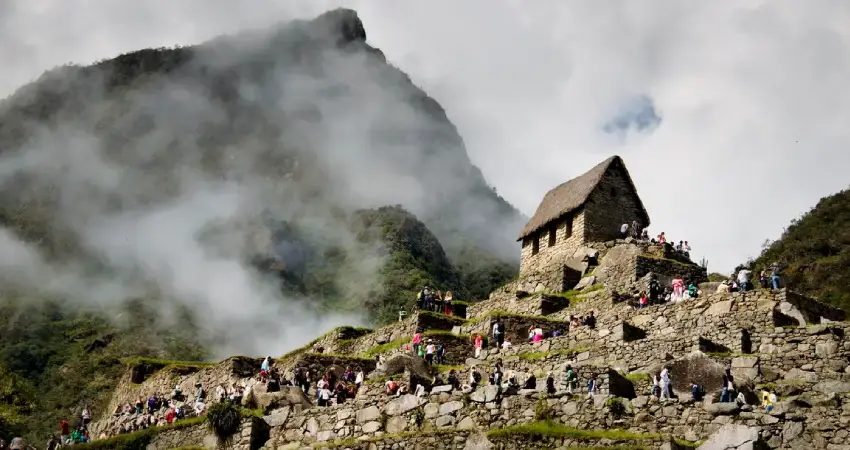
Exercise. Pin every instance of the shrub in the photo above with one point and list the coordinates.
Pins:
(224, 419)
(542, 411)
(615, 406)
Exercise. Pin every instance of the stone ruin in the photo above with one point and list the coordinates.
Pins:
(774, 340)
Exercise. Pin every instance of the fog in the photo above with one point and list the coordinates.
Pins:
(166, 189)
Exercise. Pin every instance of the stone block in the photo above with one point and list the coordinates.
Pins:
(368, 414)
(720, 308)
(485, 394)
(371, 427)
(745, 362)
(403, 404)
(450, 407)
(826, 349)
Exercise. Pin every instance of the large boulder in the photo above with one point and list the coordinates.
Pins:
(287, 396)
(696, 367)
(732, 437)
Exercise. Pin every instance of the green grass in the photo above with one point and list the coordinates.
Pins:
(168, 363)
(557, 430)
(575, 296)
(461, 303)
(139, 439)
(351, 442)
(445, 333)
(636, 377)
(664, 259)
(688, 444)
(354, 359)
(306, 347)
(532, 356)
(387, 347)
(456, 319)
(497, 314)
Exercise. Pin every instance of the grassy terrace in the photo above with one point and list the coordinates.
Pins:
(496, 314)
(575, 296)
(140, 439)
(168, 363)
(533, 356)
(553, 429)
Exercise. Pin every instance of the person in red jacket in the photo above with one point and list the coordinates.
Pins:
(64, 430)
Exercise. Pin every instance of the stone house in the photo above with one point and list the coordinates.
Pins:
(589, 208)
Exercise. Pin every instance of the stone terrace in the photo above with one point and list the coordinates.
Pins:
(769, 338)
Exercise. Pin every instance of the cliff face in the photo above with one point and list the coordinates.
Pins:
(307, 108)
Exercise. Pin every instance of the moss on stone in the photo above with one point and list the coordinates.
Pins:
(498, 314)
(139, 439)
(548, 428)
(386, 347)
(636, 377)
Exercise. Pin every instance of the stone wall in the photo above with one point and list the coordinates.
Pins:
(252, 435)
(545, 270)
(611, 204)
(516, 326)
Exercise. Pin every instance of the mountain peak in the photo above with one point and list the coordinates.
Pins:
(343, 24)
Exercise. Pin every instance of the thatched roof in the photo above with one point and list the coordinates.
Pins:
(572, 195)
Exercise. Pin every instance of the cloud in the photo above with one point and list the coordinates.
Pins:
(637, 115)
(752, 92)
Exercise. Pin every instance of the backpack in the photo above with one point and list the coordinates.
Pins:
(500, 327)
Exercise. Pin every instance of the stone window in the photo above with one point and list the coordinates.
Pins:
(568, 227)
(535, 245)
(553, 235)
(613, 191)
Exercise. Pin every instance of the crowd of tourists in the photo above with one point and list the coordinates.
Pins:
(435, 301)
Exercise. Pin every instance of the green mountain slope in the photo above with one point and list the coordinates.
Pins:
(267, 152)
(815, 251)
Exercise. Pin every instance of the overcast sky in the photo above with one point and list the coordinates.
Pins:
(731, 115)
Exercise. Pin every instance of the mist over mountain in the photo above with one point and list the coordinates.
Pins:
(181, 176)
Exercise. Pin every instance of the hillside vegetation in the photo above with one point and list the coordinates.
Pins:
(305, 124)
(815, 251)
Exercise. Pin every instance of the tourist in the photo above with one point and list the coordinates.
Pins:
(678, 285)
(358, 379)
(441, 353)
(591, 386)
(768, 399)
(474, 378)
(530, 382)
(693, 291)
(506, 345)
(744, 279)
(430, 350)
(438, 302)
(417, 341)
(324, 395)
(391, 387)
(447, 304)
(662, 239)
(571, 379)
(590, 320)
(697, 392)
(550, 384)
(686, 249)
(774, 276)
(419, 391)
(499, 332)
(635, 229)
(644, 235)
(763, 279)
(479, 341)
(624, 230)
(728, 386)
(453, 380)
(643, 301)
(665, 384)
(86, 415)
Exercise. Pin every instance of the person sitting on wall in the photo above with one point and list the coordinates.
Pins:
(590, 320)
(550, 384)
(391, 387)
(530, 382)
(686, 249)
(693, 291)
(635, 230)
(453, 380)
(644, 235)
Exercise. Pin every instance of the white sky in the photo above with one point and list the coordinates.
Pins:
(751, 94)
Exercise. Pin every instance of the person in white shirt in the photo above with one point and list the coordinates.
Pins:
(744, 279)
(358, 379)
(419, 391)
(506, 345)
(624, 230)
(430, 349)
(665, 384)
